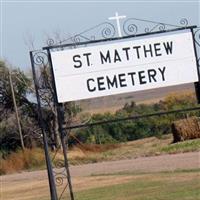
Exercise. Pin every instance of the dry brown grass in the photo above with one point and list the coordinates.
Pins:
(97, 148)
(96, 153)
(22, 160)
(90, 153)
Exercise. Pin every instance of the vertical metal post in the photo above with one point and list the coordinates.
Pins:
(196, 84)
(61, 121)
(197, 89)
(52, 184)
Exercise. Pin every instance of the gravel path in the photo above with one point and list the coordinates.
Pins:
(145, 164)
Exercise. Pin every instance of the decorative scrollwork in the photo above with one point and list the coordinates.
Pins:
(59, 163)
(76, 39)
(129, 27)
(108, 31)
(40, 58)
(80, 38)
(59, 180)
(160, 27)
(50, 42)
(104, 30)
(59, 170)
(184, 22)
(60, 176)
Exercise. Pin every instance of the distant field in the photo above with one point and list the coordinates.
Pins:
(140, 148)
(114, 102)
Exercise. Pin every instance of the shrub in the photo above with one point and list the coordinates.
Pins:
(136, 129)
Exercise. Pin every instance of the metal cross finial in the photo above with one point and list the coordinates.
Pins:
(117, 18)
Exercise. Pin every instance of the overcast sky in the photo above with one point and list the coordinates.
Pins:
(25, 20)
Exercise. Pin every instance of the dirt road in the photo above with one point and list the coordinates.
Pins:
(145, 164)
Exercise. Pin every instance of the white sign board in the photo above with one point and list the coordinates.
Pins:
(140, 63)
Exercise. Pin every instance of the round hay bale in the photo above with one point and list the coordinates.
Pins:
(186, 129)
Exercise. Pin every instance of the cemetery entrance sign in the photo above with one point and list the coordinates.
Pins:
(128, 65)
(161, 55)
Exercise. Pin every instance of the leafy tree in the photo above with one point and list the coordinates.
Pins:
(21, 86)
(9, 136)
(47, 94)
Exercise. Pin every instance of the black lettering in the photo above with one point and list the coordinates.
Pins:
(112, 83)
(105, 59)
(77, 61)
(141, 77)
(137, 51)
(168, 47)
(162, 71)
(132, 77)
(122, 80)
(116, 56)
(157, 49)
(126, 49)
(90, 89)
(152, 74)
(148, 50)
(87, 58)
(100, 83)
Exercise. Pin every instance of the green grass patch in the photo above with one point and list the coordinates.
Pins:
(156, 187)
(181, 147)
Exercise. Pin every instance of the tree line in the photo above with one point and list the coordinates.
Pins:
(129, 130)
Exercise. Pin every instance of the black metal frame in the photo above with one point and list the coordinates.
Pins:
(108, 34)
(196, 84)
(113, 39)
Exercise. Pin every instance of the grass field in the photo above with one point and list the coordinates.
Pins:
(178, 185)
(159, 186)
